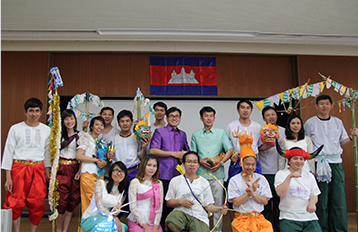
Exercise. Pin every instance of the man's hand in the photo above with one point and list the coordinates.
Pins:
(234, 159)
(224, 210)
(85, 125)
(216, 167)
(186, 203)
(256, 185)
(110, 155)
(8, 185)
(249, 190)
(145, 142)
(205, 164)
(47, 174)
(178, 154)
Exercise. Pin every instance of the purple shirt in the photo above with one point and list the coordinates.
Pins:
(169, 139)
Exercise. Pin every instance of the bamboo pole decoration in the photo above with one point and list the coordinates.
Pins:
(352, 99)
(87, 109)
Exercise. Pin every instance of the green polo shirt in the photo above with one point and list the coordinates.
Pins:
(210, 145)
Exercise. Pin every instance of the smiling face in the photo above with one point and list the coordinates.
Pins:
(107, 116)
(208, 119)
(118, 175)
(295, 125)
(249, 165)
(244, 110)
(296, 163)
(33, 114)
(125, 123)
(69, 122)
(159, 112)
(150, 168)
(174, 119)
(97, 127)
(191, 164)
(270, 116)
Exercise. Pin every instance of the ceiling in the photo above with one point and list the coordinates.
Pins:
(323, 24)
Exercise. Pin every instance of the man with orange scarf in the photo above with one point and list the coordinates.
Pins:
(249, 192)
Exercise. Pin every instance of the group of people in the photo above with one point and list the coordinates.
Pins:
(266, 191)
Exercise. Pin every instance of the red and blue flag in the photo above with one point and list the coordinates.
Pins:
(183, 75)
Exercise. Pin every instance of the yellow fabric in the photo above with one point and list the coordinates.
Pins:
(67, 162)
(250, 223)
(26, 162)
(88, 181)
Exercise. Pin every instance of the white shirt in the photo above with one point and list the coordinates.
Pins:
(237, 187)
(254, 127)
(27, 143)
(107, 138)
(269, 159)
(294, 203)
(102, 201)
(70, 151)
(140, 209)
(128, 150)
(178, 189)
(87, 143)
(329, 132)
(306, 145)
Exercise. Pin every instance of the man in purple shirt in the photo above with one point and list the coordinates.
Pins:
(169, 144)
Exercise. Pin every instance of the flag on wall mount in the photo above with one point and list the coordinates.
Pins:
(183, 75)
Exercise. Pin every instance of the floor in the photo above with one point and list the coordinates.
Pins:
(45, 225)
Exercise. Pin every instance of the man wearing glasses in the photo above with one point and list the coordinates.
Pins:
(169, 144)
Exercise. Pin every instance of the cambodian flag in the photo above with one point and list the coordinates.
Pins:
(183, 75)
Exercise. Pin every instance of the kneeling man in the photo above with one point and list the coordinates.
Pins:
(190, 196)
(249, 192)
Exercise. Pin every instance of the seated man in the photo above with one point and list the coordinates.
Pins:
(249, 192)
(191, 199)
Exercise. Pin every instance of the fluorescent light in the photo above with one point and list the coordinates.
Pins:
(172, 32)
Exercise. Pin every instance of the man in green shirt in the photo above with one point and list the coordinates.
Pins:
(209, 142)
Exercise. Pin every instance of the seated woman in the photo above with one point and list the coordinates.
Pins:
(146, 197)
(107, 195)
(299, 192)
(295, 137)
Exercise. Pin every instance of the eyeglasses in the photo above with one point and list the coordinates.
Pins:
(118, 171)
(174, 116)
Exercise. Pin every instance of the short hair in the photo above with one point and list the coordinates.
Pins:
(244, 101)
(124, 113)
(171, 110)
(323, 97)
(32, 103)
(288, 131)
(266, 109)
(106, 108)
(143, 165)
(206, 109)
(98, 118)
(161, 104)
(123, 186)
(190, 153)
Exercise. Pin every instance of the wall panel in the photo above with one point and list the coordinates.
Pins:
(23, 75)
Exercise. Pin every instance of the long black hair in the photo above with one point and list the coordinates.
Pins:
(288, 132)
(123, 186)
(64, 136)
